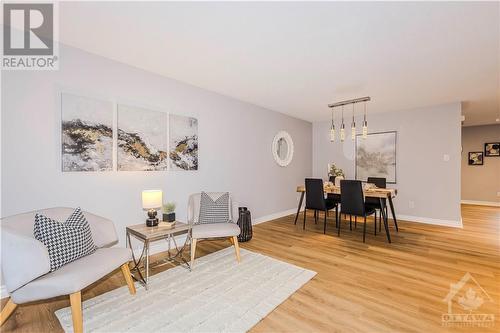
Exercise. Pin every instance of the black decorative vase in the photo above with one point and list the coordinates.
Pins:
(245, 224)
(170, 217)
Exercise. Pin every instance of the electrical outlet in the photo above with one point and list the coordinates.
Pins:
(411, 204)
(446, 157)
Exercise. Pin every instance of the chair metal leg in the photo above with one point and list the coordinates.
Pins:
(375, 225)
(336, 216)
(364, 230)
(304, 225)
(7, 311)
(340, 224)
(380, 221)
(350, 222)
(316, 213)
(324, 226)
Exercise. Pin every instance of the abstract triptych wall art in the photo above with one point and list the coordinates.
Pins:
(86, 134)
(142, 139)
(183, 143)
(145, 140)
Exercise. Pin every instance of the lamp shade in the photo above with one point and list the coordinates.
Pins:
(152, 199)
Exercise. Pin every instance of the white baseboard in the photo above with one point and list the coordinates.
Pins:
(274, 216)
(429, 220)
(481, 203)
(3, 292)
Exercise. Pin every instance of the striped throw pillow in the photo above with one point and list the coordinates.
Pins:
(214, 211)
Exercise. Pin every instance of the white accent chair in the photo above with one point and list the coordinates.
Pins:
(26, 263)
(229, 230)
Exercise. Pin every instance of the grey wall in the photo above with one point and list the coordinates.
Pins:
(235, 144)
(480, 183)
(423, 177)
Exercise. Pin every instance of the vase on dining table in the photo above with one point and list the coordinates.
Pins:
(338, 179)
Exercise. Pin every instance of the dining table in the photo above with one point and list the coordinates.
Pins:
(373, 192)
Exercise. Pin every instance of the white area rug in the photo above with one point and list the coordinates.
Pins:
(219, 295)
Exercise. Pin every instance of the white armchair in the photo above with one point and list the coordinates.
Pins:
(229, 230)
(26, 264)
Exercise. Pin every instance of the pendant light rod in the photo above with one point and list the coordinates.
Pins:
(350, 101)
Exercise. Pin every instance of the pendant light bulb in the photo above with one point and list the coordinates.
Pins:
(332, 130)
(353, 125)
(342, 127)
(365, 125)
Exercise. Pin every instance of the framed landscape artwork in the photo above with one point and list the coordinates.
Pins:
(142, 139)
(183, 143)
(476, 158)
(86, 134)
(376, 156)
(492, 149)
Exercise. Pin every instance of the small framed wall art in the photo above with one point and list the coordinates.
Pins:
(476, 158)
(492, 149)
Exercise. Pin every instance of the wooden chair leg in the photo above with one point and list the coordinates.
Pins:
(76, 311)
(304, 225)
(193, 251)
(350, 222)
(236, 248)
(128, 278)
(7, 310)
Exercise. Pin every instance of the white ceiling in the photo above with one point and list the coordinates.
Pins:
(297, 57)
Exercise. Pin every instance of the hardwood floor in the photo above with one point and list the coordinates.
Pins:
(371, 287)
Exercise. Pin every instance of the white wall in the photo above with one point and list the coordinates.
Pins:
(480, 183)
(234, 144)
(424, 136)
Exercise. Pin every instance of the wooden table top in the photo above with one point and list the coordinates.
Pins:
(373, 192)
(151, 233)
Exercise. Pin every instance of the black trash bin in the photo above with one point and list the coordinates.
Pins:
(245, 224)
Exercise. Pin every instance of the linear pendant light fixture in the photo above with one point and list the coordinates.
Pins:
(353, 124)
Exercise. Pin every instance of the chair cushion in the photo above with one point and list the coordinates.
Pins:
(74, 276)
(214, 210)
(215, 230)
(66, 241)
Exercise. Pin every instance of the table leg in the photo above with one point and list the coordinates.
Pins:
(391, 205)
(300, 205)
(384, 218)
(147, 263)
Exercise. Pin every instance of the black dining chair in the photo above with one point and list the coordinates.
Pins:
(352, 202)
(335, 198)
(375, 202)
(315, 199)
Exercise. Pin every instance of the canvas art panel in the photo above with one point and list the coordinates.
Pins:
(476, 158)
(492, 149)
(376, 156)
(86, 133)
(142, 139)
(183, 143)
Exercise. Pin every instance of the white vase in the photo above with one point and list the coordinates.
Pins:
(337, 180)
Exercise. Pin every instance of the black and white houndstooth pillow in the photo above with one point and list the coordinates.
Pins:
(66, 241)
(214, 211)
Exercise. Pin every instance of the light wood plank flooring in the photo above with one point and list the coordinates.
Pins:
(371, 287)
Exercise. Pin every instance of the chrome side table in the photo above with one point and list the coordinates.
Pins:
(147, 235)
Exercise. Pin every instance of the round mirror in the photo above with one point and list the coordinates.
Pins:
(283, 148)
